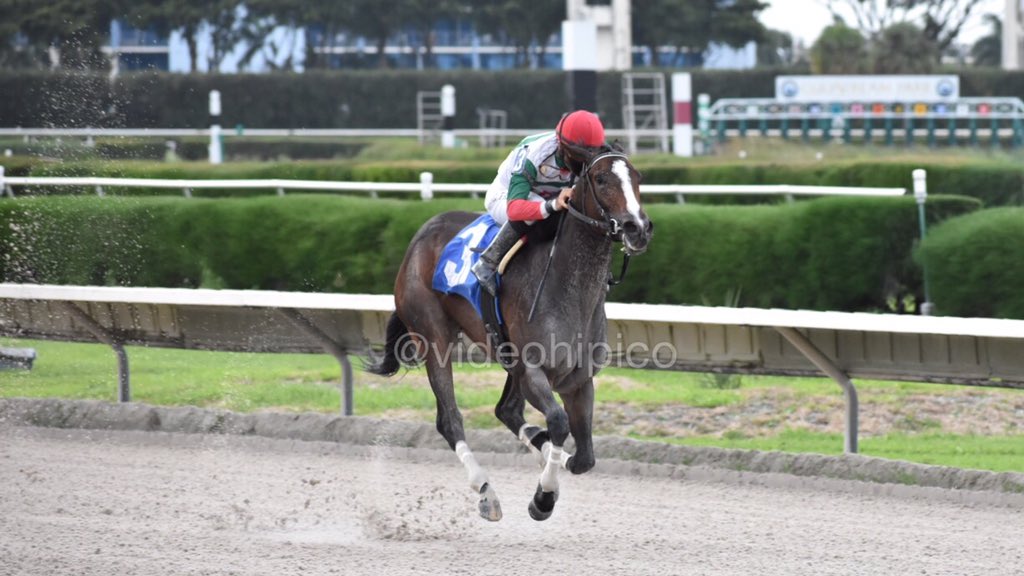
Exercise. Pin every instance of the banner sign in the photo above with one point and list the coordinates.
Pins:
(892, 88)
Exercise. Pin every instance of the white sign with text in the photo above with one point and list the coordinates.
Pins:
(891, 88)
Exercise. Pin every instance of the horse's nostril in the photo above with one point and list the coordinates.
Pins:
(630, 227)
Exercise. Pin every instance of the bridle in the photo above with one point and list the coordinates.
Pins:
(606, 225)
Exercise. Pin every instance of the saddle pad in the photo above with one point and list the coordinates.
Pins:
(453, 275)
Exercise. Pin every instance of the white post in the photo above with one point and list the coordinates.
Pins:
(426, 186)
(704, 122)
(921, 196)
(448, 116)
(3, 186)
(682, 117)
(216, 151)
(579, 60)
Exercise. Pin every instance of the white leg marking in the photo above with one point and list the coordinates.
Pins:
(546, 454)
(619, 169)
(549, 477)
(477, 476)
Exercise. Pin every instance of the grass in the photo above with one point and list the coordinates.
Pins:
(249, 382)
(996, 453)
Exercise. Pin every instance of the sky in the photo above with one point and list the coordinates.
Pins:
(805, 19)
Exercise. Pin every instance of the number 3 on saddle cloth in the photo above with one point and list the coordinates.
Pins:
(453, 276)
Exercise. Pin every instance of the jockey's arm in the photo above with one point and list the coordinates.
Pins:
(521, 208)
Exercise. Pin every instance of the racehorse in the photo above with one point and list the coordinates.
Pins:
(559, 350)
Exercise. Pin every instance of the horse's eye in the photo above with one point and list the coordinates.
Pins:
(601, 180)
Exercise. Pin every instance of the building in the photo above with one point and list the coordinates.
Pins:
(1013, 35)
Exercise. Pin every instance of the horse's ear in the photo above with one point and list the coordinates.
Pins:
(616, 147)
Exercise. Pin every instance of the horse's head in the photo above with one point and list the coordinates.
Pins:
(608, 195)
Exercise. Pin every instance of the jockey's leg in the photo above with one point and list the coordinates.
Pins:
(487, 265)
(537, 390)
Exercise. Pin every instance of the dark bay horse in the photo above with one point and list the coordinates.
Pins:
(559, 351)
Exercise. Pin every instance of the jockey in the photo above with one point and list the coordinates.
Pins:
(533, 183)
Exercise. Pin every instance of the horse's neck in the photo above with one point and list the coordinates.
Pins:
(581, 263)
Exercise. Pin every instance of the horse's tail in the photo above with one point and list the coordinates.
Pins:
(396, 350)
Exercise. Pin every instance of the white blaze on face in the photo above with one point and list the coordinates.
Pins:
(619, 169)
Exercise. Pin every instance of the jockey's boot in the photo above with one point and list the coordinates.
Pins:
(487, 265)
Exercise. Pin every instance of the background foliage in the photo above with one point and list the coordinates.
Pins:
(827, 254)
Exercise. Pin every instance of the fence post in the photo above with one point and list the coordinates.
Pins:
(448, 116)
(921, 195)
(3, 185)
(426, 186)
(216, 151)
(704, 122)
(682, 115)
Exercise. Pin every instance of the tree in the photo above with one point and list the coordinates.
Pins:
(840, 50)
(377, 19)
(777, 49)
(941, 21)
(692, 25)
(166, 17)
(70, 32)
(988, 50)
(520, 22)
(904, 49)
(424, 15)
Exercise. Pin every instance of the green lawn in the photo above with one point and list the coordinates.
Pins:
(299, 382)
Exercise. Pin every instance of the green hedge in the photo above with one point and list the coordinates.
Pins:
(351, 98)
(974, 264)
(826, 254)
(994, 183)
(195, 149)
(837, 254)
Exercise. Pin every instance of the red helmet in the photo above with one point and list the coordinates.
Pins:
(581, 128)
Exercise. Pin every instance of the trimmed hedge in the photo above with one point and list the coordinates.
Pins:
(837, 254)
(974, 264)
(196, 149)
(995, 184)
(352, 98)
(316, 98)
(851, 254)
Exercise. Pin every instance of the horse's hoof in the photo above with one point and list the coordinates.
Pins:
(577, 466)
(542, 505)
(490, 508)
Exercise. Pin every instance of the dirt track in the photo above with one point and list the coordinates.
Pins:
(91, 502)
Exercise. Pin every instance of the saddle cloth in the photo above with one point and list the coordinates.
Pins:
(452, 274)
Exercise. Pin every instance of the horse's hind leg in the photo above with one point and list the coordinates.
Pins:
(537, 390)
(510, 411)
(449, 423)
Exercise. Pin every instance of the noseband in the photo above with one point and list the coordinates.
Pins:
(606, 225)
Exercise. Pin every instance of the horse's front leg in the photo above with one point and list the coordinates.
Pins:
(510, 411)
(537, 391)
(579, 405)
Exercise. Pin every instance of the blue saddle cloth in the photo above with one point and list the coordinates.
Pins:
(453, 274)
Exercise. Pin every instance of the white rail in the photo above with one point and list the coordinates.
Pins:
(288, 132)
(426, 187)
(979, 351)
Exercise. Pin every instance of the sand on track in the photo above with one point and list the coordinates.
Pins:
(101, 502)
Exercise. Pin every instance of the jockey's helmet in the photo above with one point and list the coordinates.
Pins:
(581, 128)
